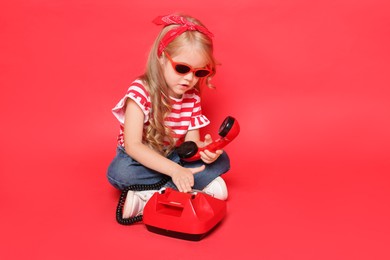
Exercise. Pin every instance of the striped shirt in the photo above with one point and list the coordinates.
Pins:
(186, 112)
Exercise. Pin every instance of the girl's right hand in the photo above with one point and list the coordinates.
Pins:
(184, 180)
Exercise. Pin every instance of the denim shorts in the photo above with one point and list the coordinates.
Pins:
(124, 171)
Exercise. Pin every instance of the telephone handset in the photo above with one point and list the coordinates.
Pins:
(229, 129)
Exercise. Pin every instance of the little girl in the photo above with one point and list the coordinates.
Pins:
(162, 109)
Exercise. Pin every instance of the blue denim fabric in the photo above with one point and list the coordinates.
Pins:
(125, 171)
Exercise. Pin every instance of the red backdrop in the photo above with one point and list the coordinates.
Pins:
(307, 80)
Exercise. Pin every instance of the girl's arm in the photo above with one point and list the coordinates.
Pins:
(133, 128)
(193, 135)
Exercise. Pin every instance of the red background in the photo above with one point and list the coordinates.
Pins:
(307, 80)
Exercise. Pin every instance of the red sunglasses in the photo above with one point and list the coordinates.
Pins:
(182, 68)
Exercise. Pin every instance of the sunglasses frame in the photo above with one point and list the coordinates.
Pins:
(174, 64)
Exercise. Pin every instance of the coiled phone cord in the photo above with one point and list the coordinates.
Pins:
(135, 187)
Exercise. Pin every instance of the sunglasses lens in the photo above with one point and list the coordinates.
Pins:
(182, 69)
(202, 73)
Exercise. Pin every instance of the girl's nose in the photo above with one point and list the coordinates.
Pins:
(189, 76)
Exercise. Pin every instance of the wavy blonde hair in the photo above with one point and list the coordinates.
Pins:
(157, 133)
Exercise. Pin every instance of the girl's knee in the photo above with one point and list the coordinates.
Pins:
(115, 184)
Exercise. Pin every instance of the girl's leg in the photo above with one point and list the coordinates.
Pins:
(212, 171)
(125, 171)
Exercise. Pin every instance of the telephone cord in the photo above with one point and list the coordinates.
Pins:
(135, 187)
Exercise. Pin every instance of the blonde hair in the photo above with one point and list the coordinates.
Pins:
(157, 134)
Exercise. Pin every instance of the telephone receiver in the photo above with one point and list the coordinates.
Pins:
(229, 129)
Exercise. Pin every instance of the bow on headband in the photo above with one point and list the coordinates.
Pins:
(185, 25)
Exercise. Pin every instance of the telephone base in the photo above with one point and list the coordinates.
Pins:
(175, 234)
(189, 216)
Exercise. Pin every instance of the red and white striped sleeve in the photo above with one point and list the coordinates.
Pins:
(138, 93)
(198, 120)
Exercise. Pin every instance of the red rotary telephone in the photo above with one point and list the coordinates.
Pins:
(229, 129)
(189, 216)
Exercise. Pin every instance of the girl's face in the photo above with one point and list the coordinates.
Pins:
(180, 83)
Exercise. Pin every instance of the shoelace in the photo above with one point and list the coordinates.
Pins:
(144, 195)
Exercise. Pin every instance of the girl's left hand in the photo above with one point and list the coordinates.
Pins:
(208, 156)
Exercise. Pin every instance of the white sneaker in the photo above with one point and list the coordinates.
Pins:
(135, 202)
(217, 188)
